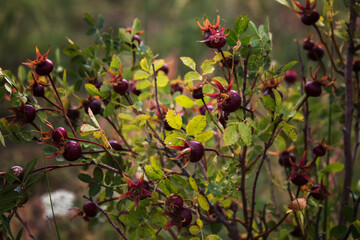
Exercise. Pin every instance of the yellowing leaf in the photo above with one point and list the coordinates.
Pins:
(173, 119)
(207, 67)
(140, 74)
(203, 202)
(205, 136)
(189, 62)
(196, 125)
(184, 101)
(125, 116)
(193, 184)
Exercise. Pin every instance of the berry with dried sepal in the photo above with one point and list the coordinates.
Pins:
(290, 76)
(300, 174)
(314, 88)
(24, 114)
(308, 43)
(72, 151)
(137, 190)
(115, 145)
(90, 209)
(94, 105)
(271, 84)
(42, 65)
(59, 135)
(176, 86)
(164, 68)
(38, 90)
(319, 191)
(18, 171)
(203, 110)
(191, 151)
(309, 15)
(316, 53)
(179, 218)
(173, 202)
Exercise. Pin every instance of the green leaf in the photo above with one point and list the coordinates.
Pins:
(207, 67)
(145, 64)
(356, 224)
(184, 101)
(142, 117)
(192, 76)
(245, 133)
(142, 84)
(289, 65)
(277, 100)
(203, 202)
(268, 102)
(136, 25)
(154, 171)
(89, 19)
(140, 74)
(338, 231)
(213, 237)
(109, 109)
(173, 139)
(2, 140)
(98, 174)
(157, 220)
(231, 135)
(205, 136)
(333, 168)
(173, 119)
(94, 189)
(241, 24)
(196, 125)
(115, 63)
(289, 130)
(194, 230)
(2, 93)
(187, 61)
(199, 223)
(100, 22)
(232, 38)
(85, 178)
(215, 189)
(125, 116)
(90, 88)
(162, 79)
(29, 167)
(193, 184)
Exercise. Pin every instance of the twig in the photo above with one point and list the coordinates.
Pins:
(107, 216)
(273, 228)
(25, 225)
(157, 104)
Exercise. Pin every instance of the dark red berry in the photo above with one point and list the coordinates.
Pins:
(174, 202)
(218, 43)
(313, 88)
(319, 150)
(122, 87)
(29, 113)
(133, 89)
(232, 103)
(18, 171)
(59, 135)
(145, 186)
(176, 87)
(90, 209)
(186, 215)
(72, 151)
(44, 68)
(299, 180)
(316, 53)
(116, 145)
(94, 105)
(284, 159)
(38, 90)
(206, 36)
(356, 66)
(290, 76)
(164, 68)
(98, 84)
(203, 109)
(308, 44)
(271, 93)
(198, 93)
(311, 18)
(73, 114)
(197, 151)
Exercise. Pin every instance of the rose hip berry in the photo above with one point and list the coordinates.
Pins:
(285, 157)
(121, 87)
(94, 105)
(290, 76)
(197, 151)
(232, 103)
(18, 171)
(115, 145)
(308, 44)
(198, 93)
(176, 87)
(202, 109)
(29, 113)
(313, 89)
(356, 66)
(179, 218)
(319, 150)
(90, 209)
(72, 151)
(44, 68)
(164, 68)
(38, 90)
(316, 53)
(59, 135)
(174, 202)
(309, 15)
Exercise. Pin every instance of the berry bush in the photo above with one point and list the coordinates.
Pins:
(228, 151)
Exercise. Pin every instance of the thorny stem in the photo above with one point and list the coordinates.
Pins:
(348, 113)
(106, 215)
(328, 51)
(62, 106)
(25, 225)
(267, 145)
(102, 146)
(52, 103)
(157, 103)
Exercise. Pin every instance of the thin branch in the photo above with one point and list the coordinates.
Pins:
(25, 225)
(273, 228)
